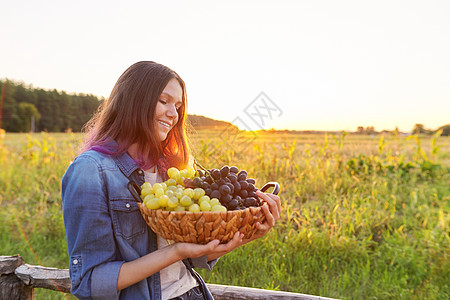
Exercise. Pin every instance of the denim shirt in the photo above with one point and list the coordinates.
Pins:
(104, 227)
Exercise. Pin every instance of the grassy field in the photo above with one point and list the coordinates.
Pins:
(364, 217)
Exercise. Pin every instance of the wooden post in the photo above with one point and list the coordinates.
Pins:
(12, 287)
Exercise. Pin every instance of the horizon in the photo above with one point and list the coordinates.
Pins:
(30, 85)
(320, 66)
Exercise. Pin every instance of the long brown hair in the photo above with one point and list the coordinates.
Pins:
(127, 118)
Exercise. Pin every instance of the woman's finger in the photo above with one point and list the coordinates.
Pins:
(272, 204)
(232, 244)
(269, 217)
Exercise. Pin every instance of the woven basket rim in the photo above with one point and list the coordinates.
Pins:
(190, 212)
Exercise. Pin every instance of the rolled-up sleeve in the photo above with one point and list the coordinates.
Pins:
(202, 262)
(94, 266)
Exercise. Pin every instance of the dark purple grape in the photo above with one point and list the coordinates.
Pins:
(208, 191)
(232, 177)
(200, 173)
(225, 190)
(226, 180)
(249, 201)
(225, 199)
(204, 185)
(231, 186)
(203, 178)
(232, 205)
(252, 194)
(220, 182)
(242, 177)
(244, 184)
(214, 186)
(234, 169)
(251, 180)
(237, 187)
(251, 187)
(244, 194)
(215, 174)
(225, 171)
(197, 182)
(243, 172)
(209, 179)
(215, 194)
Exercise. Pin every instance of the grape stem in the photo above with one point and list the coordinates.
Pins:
(203, 168)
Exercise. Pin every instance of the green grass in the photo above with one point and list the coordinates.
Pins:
(362, 217)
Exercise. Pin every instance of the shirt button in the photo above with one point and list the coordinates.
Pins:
(128, 205)
(140, 172)
(75, 261)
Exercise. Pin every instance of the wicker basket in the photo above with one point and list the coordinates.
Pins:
(202, 227)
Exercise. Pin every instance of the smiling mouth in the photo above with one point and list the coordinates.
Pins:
(164, 124)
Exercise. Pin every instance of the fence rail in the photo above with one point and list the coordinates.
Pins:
(18, 279)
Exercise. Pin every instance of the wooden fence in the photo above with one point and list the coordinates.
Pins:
(17, 281)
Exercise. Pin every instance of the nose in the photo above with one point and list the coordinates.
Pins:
(172, 111)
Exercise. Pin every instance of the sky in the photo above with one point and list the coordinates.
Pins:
(297, 65)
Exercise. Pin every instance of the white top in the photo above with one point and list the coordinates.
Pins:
(175, 279)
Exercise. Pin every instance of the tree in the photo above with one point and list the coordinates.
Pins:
(27, 112)
(418, 128)
(445, 130)
(360, 130)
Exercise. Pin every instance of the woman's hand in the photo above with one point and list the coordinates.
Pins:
(272, 210)
(212, 250)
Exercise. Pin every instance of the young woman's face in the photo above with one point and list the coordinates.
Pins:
(166, 114)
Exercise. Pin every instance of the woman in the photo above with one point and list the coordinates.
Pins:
(138, 133)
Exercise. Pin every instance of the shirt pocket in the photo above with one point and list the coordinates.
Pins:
(127, 219)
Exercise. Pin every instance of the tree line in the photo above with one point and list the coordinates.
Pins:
(25, 108)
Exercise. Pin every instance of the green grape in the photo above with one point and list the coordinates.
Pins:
(170, 193)
(164, 186)
(148, 197)
(183, 173)
(157, 186)
(172, 188)
(185, 200)
(146, 185)
(203, 198)
(163, 200)
(214, 201)
(205, 206)
(171, 182)
(180, 208)
(218, 207)
(173, 202)
(159, 192)
(198, 192)
(189, 192)
(194, 208)
(179, 193)
(173, 173)
(146, 191)
(190, 172)
(153, 203)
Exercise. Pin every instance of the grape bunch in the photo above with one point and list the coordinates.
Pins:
(229, 185)
(173, 195)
